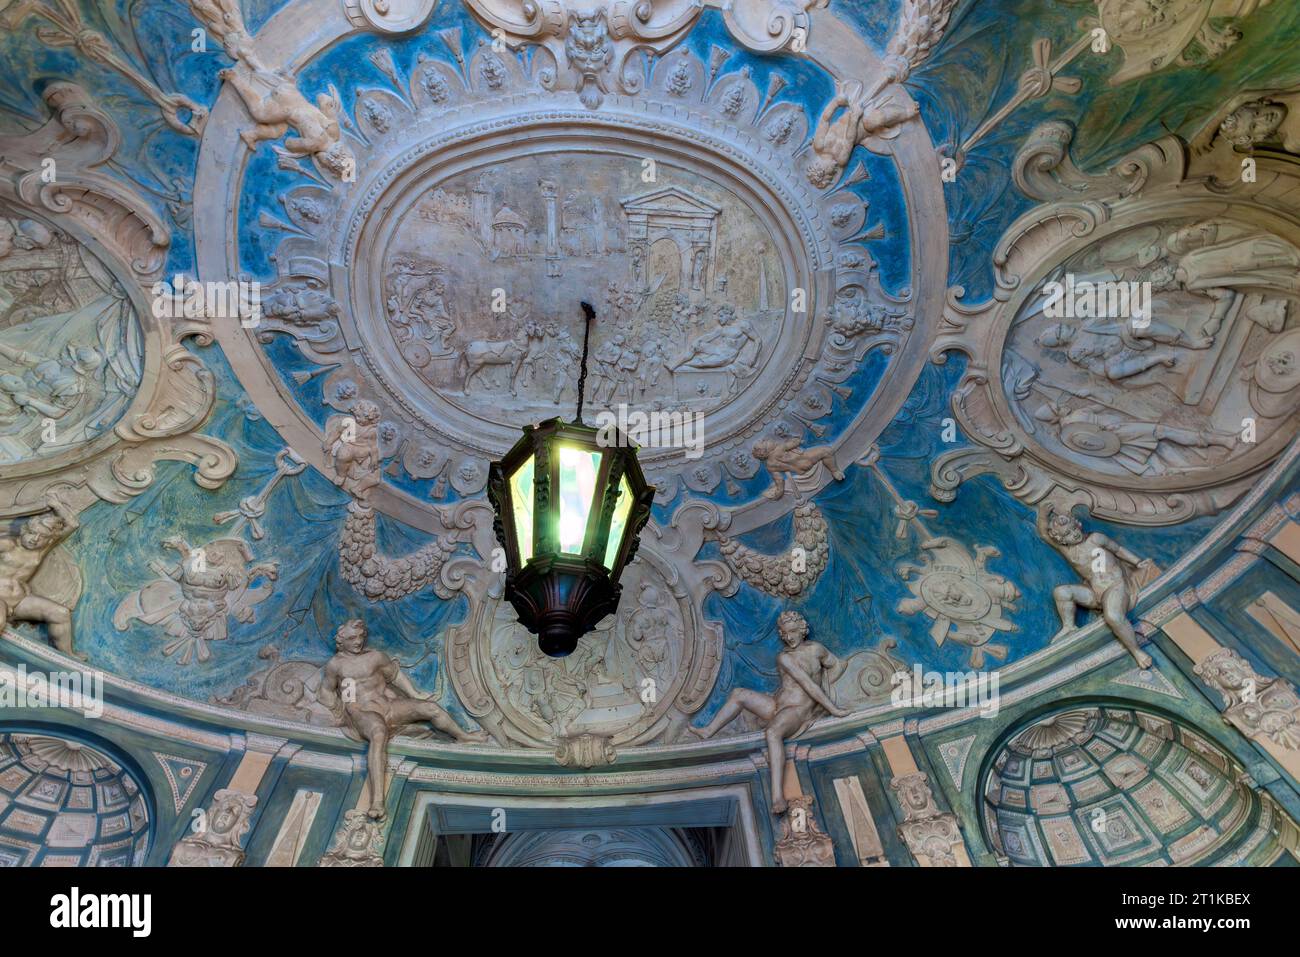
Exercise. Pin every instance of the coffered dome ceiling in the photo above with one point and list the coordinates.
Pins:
(821, 241)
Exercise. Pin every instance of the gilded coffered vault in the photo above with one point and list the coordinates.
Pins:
(960, 340)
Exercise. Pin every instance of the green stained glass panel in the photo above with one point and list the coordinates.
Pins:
(622, 508)
(578, 471)
(521, 501)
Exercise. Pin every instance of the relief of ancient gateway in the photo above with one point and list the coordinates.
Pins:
(485, 272)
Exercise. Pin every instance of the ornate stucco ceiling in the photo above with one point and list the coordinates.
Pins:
(821, 241)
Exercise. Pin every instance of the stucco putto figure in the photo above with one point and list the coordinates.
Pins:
(807, 672)
(21, 554)
(373, 699)
(1112, 576)
(790, 465)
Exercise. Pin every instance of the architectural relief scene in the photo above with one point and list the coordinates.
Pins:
(1167, 393)
(71, 349)
(762, 433)
(685, 264)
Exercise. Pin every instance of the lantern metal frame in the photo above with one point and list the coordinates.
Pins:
(560, 596)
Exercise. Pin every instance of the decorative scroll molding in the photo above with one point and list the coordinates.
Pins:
(53, 175)
(389, 16)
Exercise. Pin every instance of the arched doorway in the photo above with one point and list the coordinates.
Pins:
(621, 847)
(664, 272)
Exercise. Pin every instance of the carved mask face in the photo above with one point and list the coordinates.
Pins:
(359, 838)
(1253, 123)
(225, 818)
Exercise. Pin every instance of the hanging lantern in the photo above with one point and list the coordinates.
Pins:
(570, 505)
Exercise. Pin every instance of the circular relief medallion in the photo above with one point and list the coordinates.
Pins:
(1161, 353)
(484, 271)
(733, 300)
(71, 348)
(955, 596)
(638, 674)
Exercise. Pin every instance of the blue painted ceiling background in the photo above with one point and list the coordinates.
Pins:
(854, 604)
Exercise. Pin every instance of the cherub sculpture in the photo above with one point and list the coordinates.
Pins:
(1112, 578)
(272, 97)
(374, 700)
(920, 27)
(21, 554)
(352, 443)
(275, 103)
(862, 118)
(807, 672)
(788, 464)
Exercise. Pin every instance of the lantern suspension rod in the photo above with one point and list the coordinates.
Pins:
(590, 315)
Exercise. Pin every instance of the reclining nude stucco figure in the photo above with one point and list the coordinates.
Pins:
(373, 699)
(807, 672)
